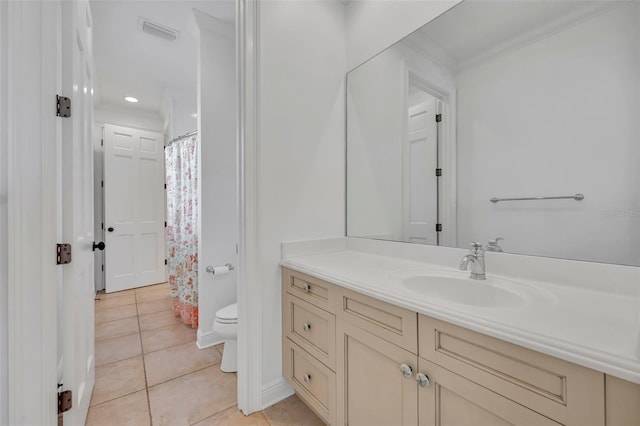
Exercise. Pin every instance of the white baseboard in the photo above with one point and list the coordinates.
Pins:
(207, 339)
(275, 391)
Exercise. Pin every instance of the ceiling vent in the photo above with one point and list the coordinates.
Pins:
(158, 30)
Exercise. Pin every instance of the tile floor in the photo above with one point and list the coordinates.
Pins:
(149, 370)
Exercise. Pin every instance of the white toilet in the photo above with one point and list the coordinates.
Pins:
(226, 326)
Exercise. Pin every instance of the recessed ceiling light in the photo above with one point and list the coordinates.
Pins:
(193, 115)
(130, 99)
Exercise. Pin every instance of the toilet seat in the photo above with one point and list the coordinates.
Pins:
(228, 314)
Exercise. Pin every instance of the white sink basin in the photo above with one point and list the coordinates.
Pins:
(459, 288)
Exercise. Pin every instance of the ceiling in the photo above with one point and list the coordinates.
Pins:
(129, 62)
(475, 27)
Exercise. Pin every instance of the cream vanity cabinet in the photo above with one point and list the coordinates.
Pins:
(356, 360)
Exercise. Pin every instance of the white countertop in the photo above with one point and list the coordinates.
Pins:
(596, 328)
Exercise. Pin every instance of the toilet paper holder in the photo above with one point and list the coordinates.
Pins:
(220, 269)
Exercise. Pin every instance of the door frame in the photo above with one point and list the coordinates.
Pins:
(32, 55)
(250, 393)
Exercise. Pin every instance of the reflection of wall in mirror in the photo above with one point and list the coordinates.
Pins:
(556, 116)
(377, 116)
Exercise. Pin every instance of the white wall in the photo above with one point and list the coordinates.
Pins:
(557, 116)
(301, 160)
(128, 117)
(217, 170)
(183, 123)
(377, 117)
(372, 26)
(4, 391)
(177, 108)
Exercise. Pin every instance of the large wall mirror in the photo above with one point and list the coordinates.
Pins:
(511, 119)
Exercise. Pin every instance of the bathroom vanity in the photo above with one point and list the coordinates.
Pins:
(362, 346)
(461, 133)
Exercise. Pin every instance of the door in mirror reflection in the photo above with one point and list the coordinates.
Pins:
(420, 163)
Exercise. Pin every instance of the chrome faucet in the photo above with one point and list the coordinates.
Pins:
(476, 257)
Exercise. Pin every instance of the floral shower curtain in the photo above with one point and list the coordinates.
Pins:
(182, 233)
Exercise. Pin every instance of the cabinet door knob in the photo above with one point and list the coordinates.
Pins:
(306, 326)
(423, 380)
(307, 288)
(307, 378)
(407, 370)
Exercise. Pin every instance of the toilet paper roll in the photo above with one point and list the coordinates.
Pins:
(220, 270)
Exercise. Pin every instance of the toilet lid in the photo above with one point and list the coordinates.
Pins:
(228, 313)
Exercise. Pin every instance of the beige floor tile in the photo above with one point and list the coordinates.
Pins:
(130, 410)
(102, 295)
(112, 314)
(103, 302)
(178, 360)
(234, 417)
(117, 328)
(154, 306)
(220, 348)
(160, 338)
(158, 320)
(153, 296)
(205, 393)
(118, 348)
(118, 379)
(153, 287)
(292, 411)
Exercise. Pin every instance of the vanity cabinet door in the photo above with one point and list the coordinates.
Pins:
(452, 400)
(371, 387)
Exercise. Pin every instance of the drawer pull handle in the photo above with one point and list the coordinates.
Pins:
(307, 378)
(307, 288)
(423, 380)
(306, 326)
(407, 370)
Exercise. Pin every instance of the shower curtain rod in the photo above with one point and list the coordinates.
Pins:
(182, 137)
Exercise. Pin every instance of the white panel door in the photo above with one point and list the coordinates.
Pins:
(78, 373)
(134, 205)
(420, 182)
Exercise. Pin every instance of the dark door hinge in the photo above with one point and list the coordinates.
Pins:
(63, 106)
(63, 254)
(438, 172)
(438, 118)
(65, 401)
(101, 142)
(165, 224)
(165, 186)
(438, 227)
(165, 261)
(102, 183)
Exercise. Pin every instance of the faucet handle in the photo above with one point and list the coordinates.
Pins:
(493, 245)
(475, 246)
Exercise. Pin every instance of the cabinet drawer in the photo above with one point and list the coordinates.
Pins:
(313, 290)
(312, 380)
(560, 390)
(313, 329)
(394, 324)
